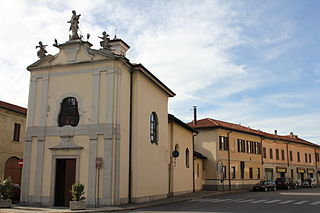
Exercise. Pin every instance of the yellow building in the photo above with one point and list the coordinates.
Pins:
(239, 156)
(98, 119)
(12, 123)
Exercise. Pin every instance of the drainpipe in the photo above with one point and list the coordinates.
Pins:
(193, 177)
(229, 161)
(130, 141)
(287, 154)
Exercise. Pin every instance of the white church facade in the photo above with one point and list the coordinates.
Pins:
(96, 118)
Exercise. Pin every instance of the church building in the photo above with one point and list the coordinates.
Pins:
(96, 118)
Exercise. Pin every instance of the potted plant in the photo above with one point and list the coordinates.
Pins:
(6, 188)
(78, 202)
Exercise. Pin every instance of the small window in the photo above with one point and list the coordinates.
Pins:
(317, 157)
(310, 158)
(69, 113)
(271, 154)
(233, 172)
(277, 154)
(187, 158)
(198, 170)
(306, 157)
(258, 173)
(251, 173)
(224, 171)
(241, 145)
(16, 132)
(154, 128)
(298, 156)
(264, 152)
(282, 154)
(223, 143)
(242, 165)
(291, 156)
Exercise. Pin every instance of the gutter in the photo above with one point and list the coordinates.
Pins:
(229, 161)
(130, 140)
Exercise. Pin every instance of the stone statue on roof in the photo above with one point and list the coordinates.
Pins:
(105, 41)
(42, 50)
(74, 25)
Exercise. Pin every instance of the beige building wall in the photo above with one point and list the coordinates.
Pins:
(295, 167)
(150, 160)
(199, 174)
(181, 167)
(207, 143)
(8, 147)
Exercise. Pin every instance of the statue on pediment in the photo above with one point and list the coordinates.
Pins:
(105, 41)
(42, 50)
(74, 25)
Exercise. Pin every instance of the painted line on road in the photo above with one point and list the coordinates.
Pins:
(315, 203)
(286, 201)
(245, 201)
(301, 202)
(299, 193)
(258, 201)
(272, 201)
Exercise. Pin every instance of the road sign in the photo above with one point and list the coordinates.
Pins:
(20, 163)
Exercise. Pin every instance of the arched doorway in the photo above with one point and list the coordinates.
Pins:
(12, 170)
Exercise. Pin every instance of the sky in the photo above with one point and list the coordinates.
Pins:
(252, 62)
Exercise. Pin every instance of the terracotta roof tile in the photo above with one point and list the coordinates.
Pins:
(13, 107)
(212, 123)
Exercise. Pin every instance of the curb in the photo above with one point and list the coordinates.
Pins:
(129, 208)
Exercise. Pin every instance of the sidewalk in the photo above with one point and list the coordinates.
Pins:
(179, 198)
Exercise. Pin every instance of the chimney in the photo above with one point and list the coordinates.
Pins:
(194, 115)
(291, 134)
(275, 132)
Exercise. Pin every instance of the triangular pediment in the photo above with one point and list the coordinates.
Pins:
(73, 52)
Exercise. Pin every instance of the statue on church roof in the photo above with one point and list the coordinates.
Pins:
(42, 50)
(74, 25)
(105, 41)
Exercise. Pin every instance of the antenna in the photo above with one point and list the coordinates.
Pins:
(115, 33)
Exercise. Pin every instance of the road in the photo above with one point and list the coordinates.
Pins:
(300, 200)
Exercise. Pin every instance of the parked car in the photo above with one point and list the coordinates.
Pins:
(286, 183)
(265, 185)
(309, 182)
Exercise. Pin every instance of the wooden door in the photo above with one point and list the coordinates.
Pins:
(12, 170)
(65, 177)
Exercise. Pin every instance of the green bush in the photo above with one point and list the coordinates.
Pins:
(77, 191)
(6, 188)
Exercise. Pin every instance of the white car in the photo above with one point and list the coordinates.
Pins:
(310, 182)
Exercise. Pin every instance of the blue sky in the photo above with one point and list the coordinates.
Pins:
(250, 62)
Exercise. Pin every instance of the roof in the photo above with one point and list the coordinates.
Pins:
(199, 155)
(172, 118)
(154, 79)
(13, 107)
(209, 123)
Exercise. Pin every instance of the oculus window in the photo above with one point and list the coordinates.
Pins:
(69, 113)
(154, 128)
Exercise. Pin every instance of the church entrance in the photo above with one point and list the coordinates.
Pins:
(65, 177)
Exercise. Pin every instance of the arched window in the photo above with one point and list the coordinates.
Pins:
(154, 128)
(69, 113)
(187, 158)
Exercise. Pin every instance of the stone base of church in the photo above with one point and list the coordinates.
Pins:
(148, 198)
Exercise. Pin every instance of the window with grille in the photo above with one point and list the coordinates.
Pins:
(154, 128)
(69, 113)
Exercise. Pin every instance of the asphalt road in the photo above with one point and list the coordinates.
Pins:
(303, 200)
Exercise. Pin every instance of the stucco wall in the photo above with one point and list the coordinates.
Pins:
(8, 147)
(150, 161)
